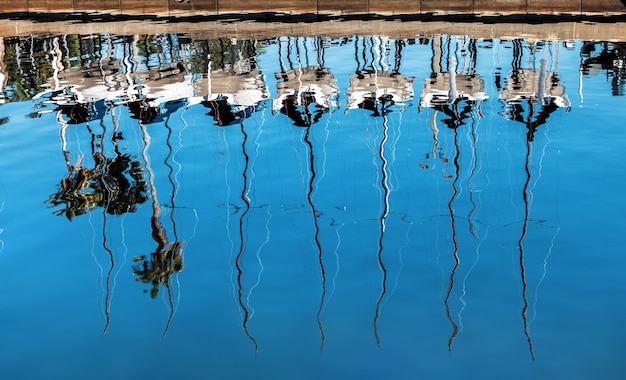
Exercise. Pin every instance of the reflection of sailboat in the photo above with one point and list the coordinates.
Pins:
(543, 94)
(452, 93)
(235, 89)
(378, 84)
(455, 93)
(611, 58)
(540, 91)
(304, 87)
(304, 92)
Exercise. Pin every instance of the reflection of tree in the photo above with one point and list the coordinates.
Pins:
(166, 260)
(26, 66)
(117, 184)
(157, 268)
(104, 185)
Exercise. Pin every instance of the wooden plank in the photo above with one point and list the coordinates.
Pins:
(12, 6)
(242, 6)
(604, 6)
(143, 7)
(97, 6)
(447, 7)
(340, 7)
(45, 6)
(292, 7)
(395, 7)
(501, 7)
(192, 7)
(553, 7)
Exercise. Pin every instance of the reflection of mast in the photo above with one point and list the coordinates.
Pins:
(383, 219)
(454, 93)
(542, 92)
(301, 88)
(455, 252)
(318, 245)
(238, 265)
(520, 245)
(383, 93)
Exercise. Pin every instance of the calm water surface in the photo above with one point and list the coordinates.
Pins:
(311, 208)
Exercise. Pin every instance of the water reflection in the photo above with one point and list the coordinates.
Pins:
(93, 85)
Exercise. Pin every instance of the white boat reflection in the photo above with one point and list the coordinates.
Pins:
(377, 81)
(302, 85)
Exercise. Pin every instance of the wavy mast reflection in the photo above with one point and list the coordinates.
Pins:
(536, 89)
(376, 86)
(301, 88)
(234, 91)
(454, 93)
(242, 239)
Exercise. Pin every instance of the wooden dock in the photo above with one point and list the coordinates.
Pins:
(194, 8)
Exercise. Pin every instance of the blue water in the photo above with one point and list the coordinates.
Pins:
(438, 208)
